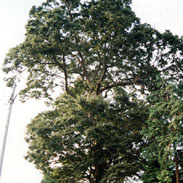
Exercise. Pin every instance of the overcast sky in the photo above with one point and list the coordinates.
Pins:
(161, 14)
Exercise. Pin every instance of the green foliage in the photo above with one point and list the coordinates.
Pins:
(101, 42)
(88, 140)
(164, 134)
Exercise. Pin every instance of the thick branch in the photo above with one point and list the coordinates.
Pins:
(99, 66)
(102, 77)
(66, 78)
(63, 67)
(125, 83)
(137, 80)
(82, 62)
(84, 66)
(56, 62)
(103, 74)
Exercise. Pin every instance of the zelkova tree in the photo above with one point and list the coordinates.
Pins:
(91, 49)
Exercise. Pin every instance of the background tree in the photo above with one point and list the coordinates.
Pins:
(70, 146)
(164, 134)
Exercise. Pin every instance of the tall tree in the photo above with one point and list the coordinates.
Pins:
(83, 140)
(164, 134)
(89, 48)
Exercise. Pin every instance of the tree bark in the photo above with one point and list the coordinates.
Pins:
(176, 168)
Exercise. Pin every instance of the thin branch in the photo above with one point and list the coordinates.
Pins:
(48, 63)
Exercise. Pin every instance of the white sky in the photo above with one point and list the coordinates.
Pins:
(161, 14)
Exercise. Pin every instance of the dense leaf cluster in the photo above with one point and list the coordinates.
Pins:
(88, 140)
(164, 134)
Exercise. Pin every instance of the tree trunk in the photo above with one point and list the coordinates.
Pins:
(176, 168)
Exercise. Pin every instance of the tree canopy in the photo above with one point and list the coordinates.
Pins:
(101, 43)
